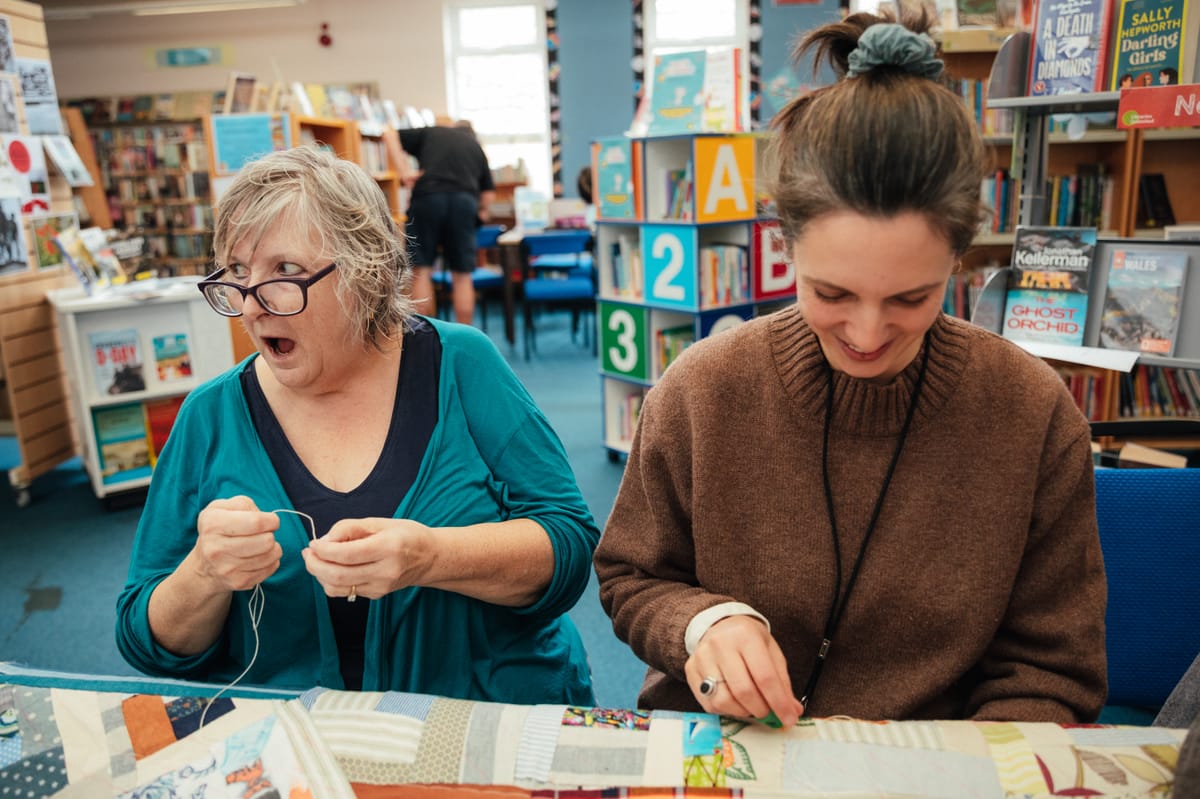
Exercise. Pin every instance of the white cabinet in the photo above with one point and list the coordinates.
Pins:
(130, 360)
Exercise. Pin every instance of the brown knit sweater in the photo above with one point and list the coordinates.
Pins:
(982, 593)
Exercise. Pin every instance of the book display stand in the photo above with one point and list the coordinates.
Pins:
(1147, 384)
(130, 359)
(686, 253)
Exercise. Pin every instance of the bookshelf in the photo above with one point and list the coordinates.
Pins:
(685, 255)
(171, 342)
(156, 176)
(1155, 389)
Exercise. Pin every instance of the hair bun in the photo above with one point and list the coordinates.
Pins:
(893, 45)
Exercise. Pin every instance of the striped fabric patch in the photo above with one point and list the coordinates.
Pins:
(539, 739)
(1014, 759)
(909, 735)
(370, 735)
(412, 705)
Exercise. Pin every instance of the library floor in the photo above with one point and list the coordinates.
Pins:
(65, 557)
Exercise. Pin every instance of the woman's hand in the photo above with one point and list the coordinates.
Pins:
(235, 547)
(749, 670)
(369, 557)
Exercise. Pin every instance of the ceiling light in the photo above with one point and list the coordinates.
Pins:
(160, 7)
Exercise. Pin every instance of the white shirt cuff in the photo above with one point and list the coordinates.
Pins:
(700, 623)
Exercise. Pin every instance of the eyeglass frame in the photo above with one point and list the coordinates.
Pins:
(302, 282)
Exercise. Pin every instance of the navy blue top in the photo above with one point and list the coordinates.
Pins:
(413, 418)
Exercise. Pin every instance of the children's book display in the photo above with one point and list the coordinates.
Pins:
(1048, 291)
(696, 91)
(1069, 50)
(1143, 299)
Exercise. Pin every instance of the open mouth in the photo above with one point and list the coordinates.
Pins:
(279, 346)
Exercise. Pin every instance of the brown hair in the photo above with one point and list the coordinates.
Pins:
(881, 143)
(347, 214)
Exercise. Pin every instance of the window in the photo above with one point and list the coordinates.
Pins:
(496, 71)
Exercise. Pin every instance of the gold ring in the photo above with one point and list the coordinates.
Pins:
(353, 593)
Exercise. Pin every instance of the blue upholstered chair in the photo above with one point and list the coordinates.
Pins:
(1150, 533)
(488, 280)
(558, 273)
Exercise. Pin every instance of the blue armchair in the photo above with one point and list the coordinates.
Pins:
(1150, 532)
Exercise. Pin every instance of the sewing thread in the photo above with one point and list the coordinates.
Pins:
(256, 604)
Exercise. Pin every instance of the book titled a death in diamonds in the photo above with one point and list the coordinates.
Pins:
(1048, 289)
(1142, 300)
(1069, 51)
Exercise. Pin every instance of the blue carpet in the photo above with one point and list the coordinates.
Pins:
(65, 555)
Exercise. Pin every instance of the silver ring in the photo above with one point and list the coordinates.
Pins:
(708, 686)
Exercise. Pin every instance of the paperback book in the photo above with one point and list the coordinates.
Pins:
(1069, 50)
(1142, 300)
(117, 361)
(1047, 294)
(172, 361)
(613, 191)
(160, 418)
(121, 445)
(1149, 43)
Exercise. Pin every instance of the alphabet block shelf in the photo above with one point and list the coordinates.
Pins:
(684, 250)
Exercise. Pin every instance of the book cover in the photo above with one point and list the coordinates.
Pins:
(117, 361)
(613, 191)
(45, 229)
(66, 160)
(160, 418)
(172, 359)
(14, 252)
(121, 446)
(1068, 54)
(76, 256)
(723, 90)
(1142, 300)
(40, 96)
(1048, 289)
(1148, 49)
(677, 96)
(1154, 203)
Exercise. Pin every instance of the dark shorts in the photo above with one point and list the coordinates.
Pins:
(446, 220)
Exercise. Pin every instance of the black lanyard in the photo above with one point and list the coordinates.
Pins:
(838, 605)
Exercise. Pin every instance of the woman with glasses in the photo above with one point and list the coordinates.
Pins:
(371, 501)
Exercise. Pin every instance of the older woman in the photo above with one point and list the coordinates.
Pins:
(377, 485)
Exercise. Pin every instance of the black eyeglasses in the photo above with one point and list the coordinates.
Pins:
(283, 296)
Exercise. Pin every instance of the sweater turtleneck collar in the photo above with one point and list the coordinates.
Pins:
(861, 406)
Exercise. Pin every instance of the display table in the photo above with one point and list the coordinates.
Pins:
(81, 741)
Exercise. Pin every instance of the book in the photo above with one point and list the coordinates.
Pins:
(1047, 294)
(172, 360)
(45, 229)
(614, 189)
(77, 257)
(66, 160)
(117, 361)
(1148, 43)
(40, 96)
(1142, 300)
(122, 450)
(159, 415)
(14, 252)
(1139, 456)
(1154, 204)
(1069, 48)
(677, 95)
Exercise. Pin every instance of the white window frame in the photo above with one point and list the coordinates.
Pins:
(452, 51)
(652, 44)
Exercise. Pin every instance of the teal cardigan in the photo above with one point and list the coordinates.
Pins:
(491, 457)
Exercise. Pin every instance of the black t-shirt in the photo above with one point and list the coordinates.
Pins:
(450, 158)
(413, 418)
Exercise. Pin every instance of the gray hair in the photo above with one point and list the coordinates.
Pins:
(346, 213)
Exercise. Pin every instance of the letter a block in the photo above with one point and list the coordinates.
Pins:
(724, 178)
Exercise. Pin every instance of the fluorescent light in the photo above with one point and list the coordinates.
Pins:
(158, 7)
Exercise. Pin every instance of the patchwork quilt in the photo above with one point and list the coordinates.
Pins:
(68, 743)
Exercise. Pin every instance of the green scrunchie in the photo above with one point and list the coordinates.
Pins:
(891, 44)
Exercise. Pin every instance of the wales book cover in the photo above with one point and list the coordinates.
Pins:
(1048, 288)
